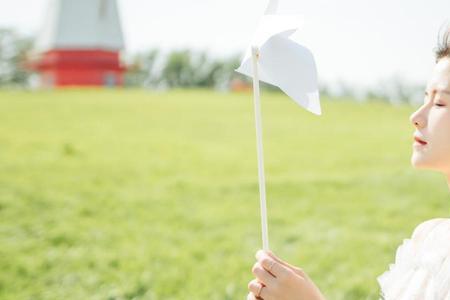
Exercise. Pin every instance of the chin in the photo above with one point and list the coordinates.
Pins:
(417, 165)
(419, 162)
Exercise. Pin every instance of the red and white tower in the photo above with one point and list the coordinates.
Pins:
(80, 44)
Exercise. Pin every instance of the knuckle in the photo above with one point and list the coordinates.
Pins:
(265, 261)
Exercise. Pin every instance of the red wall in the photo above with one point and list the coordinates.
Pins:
(80, 68)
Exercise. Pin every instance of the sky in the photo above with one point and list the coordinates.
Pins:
(354, 41)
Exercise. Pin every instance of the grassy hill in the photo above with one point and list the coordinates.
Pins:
(124, 194)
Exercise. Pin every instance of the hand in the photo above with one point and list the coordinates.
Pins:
(278, 280)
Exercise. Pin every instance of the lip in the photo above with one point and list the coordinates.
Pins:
(419, 142)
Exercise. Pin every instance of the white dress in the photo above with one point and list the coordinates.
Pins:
(422, 265)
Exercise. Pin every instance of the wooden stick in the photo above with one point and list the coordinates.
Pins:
(259, 143)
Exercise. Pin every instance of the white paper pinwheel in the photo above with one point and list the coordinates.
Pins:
(274, 57)
(282, 61)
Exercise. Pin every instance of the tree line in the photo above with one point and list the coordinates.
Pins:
(181, 69)
(13, 53)
(156, 69)
(151, 69)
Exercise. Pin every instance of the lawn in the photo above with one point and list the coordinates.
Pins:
(129, 194)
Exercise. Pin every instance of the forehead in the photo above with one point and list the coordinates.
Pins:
(440, 78)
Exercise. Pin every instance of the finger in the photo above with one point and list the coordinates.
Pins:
(272, 265)
(297, 270)
(252, 296)
(258, 289)
(261, 253)
(262, 274)
(279, 260)
(284, 263)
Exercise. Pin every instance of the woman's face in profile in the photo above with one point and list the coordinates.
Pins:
(431, 149)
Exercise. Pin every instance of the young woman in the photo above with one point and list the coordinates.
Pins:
(422, 265)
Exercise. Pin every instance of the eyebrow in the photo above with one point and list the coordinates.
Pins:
(440, 91)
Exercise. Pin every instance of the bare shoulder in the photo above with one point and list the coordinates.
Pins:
(425, 227)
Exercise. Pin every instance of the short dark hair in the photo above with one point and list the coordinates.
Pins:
(443, 48)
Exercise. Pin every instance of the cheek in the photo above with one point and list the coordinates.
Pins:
(437, 155)
(439, 131)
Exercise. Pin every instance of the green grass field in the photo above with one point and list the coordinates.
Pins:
(141, 195)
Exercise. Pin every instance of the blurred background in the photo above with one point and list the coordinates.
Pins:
(127, 147)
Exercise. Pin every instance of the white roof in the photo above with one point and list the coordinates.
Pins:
(81, 24)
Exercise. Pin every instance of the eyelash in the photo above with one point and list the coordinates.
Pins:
(439, 104)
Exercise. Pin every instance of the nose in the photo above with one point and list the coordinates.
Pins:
(418, 118)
